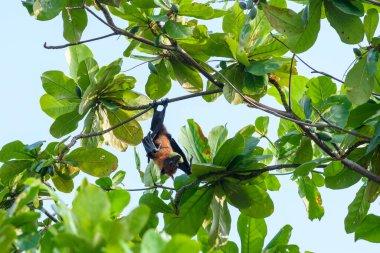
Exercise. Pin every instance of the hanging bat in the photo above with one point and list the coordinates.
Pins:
(162, 148)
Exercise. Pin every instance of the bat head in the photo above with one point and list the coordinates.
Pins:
(171, 164)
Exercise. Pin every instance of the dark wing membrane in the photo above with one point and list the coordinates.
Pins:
(185, 166)
(149, 145)
(157, 121)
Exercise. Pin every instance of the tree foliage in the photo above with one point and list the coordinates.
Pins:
(328, 134)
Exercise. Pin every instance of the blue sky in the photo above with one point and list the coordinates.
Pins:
(23, 60)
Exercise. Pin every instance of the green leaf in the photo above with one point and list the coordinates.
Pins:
(359, 84)
(7, 238)
(357, 211)
(234, 20)
(311, 197)
(369, 229)
(299, 43)
(285, 21)
(194, 142)
(91, 207)
(251, 200)
(74, 23)
(307, 167)
(281, 238)
(372, 59)
(200, 169)
(216, 138)
(62, 184)
(119, 199)
(104, 182)
(198, 10)
(177, 30)
(191, 213)
(188, 77)
(152, 242)
(87, 70)
(129, 12)
(55, 108)
(118, 178)
(65, 124)
(371, 20)
(75, 55)
(59, 86)
(361, 113)
(252, 233)
(350, 7)
(12, 168)
(349, 27)
(319, 89)
(94, 161)
(129, 133)
(155, 204)
(269, 47)
(261, 124)
(23, 219)
(158, 85)
(181, 243)
(338, 177)
(221, 221)
(263, 67)
(272, 183)
(229, 150)
(304, 153)
(91, 125)
(46, 9)
(143, 4)
(13, 150)
(135, 221)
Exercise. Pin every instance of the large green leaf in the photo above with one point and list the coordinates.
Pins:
(284, 20)
(47, 9)
(191, 213)
(13, 150)
(357, 211)
(263, 67)
(135, 221)
(90, 207)
(7, 238)
(55, 108)
(216, 138)
(130, 133)
(252, 233)
(129, 12)
(361, 113)
(155, 204)
(250, 199)
(194, 142)
(152, 242)
(159, 84)
(119, 199)
(358, 84)
(299, 43)
(353, 7)
(369, 229)
(86, 73)
(91, 125)
(349, 27)
(338, 177)
(177, 30)
(229, 150)
(269, 47)
(320, 89)
(221, 221)
(199, 10)
(63, 184)
(188, 77)
(234, 20)
(74, 23)
(65, 124)
(12, 168)
(94, 161)
(281, 238)
(371, 20)
(311, 197)
(75, 55)
(181, 243)
(200, 169)
(59, 86)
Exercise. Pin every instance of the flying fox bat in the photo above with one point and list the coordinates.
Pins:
(162, 148)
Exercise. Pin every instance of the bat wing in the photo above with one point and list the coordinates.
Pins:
(149, 145)
(184, 166)
(157, 121)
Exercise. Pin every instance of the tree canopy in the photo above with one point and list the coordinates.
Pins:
(328, 133)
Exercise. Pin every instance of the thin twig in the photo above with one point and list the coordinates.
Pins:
(49, 215)
(353, 147)
(306, 64)
(151, 188)
(79, 42)
(373, 2)
(282, 94)
(140, 64)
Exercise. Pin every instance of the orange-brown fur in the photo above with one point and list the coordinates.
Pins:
(163, 153)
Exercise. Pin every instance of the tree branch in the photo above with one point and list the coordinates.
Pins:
(290, 82)
(79, 42)
(373, 2)
(49, 215)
